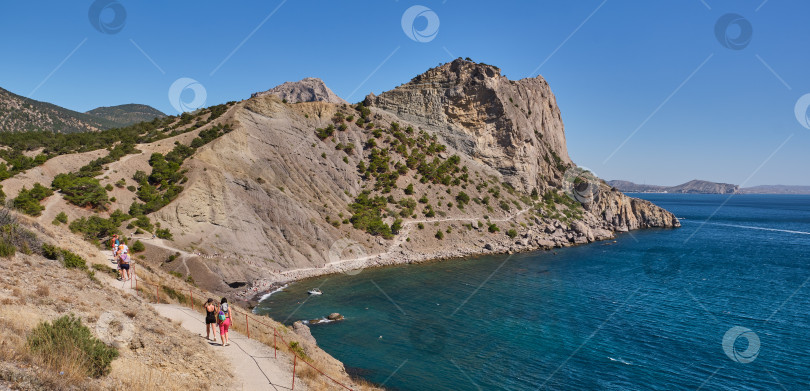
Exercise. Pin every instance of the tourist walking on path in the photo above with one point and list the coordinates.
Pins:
(224, 321)
(210, 319)
(123, 266)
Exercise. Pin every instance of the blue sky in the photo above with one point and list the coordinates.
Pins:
(647, 91)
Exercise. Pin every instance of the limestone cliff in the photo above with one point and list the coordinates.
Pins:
(512, 126)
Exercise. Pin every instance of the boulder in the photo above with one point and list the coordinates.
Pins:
(303, 331)
(335, 316)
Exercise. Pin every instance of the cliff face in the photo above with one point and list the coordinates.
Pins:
(512, 126)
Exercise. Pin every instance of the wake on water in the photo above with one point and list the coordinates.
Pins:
(759, 228)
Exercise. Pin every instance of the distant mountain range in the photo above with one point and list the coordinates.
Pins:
(19, 114)
(128, 114)
(706, 187)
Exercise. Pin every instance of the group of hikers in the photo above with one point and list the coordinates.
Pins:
(215, 313)
(120, 253)
(219, 314)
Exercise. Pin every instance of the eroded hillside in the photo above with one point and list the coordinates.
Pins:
(458, 161)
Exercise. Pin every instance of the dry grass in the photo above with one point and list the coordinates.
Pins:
(43, 290)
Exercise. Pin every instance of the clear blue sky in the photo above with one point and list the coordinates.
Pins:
(630, 63)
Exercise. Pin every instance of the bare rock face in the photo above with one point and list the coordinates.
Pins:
(623, 213)
(512, 126)
(310, 89)
(303, 331)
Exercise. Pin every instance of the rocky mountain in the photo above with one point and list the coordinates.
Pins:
(310, 89)
(459, 161)
(128, 114)
(281, 193)
(19, 114)
(775, 189)
(514, 127)
(691, 187)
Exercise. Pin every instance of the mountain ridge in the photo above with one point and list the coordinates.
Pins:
(20, 114)
(706, 187)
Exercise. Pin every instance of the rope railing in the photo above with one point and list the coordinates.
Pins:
(276, 334)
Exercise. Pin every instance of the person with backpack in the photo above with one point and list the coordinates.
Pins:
(123, 266)
(210, 319)
(224, 321)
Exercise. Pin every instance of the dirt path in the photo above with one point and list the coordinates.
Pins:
(400, 239)
(252, 363)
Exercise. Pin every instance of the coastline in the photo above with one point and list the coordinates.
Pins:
(391, 258)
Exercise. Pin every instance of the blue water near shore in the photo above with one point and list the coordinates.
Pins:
(648, 312)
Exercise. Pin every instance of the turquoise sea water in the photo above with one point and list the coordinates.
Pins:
(648, 312)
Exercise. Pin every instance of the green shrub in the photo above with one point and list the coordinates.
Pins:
(409, 189)
(81, 191)
(175, 295)
(7, 249)
(164, 234)
(493, 228)
(511, 233)
(439, 235)
(420, 226)
(27, 201)
(138, 247)
(60, 218)
(73, 261)
(96, 227)
(66, 340)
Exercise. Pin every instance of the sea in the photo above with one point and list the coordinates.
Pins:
(722, 303)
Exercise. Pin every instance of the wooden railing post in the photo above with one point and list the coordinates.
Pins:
(295, 360)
